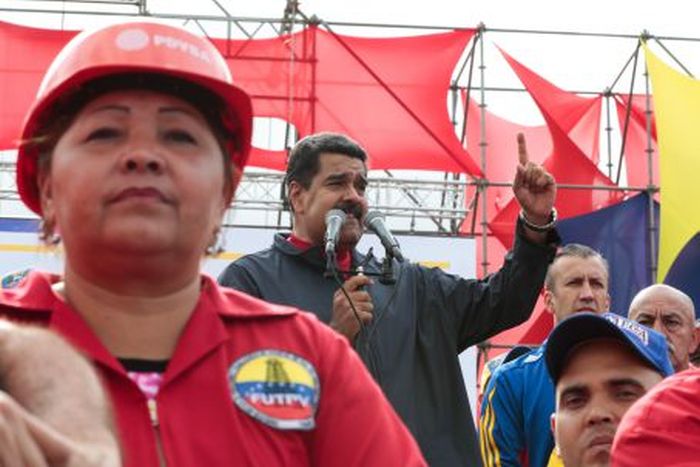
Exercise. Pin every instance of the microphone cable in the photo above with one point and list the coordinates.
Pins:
(371, 357)
(380, 314)
(365, 336)
(338, 281)
(368, 338)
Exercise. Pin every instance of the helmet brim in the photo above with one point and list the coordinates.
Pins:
(236, 101)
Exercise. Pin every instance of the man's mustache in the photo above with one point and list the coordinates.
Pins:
(352, 209)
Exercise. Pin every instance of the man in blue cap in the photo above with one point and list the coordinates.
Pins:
(519, 399)
(600, 365)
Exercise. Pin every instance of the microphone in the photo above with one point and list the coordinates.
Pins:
(334, 221)
(374, 221)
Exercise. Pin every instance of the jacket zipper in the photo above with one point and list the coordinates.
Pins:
(153, 415)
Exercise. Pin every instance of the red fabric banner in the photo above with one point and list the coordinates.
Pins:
(25, 54)
(502, 150)
(636, 142)
(389, 94)
(578, 117)
(567, 162)
(501, 160)
(532, 332)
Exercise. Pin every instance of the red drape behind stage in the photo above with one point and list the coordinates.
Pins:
(636, 143)
(388, 93)
(501, 161)
(502, 150)
(568, 146)
(25, 54)
(567, 161)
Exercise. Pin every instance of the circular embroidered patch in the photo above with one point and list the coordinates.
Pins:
(277, 388)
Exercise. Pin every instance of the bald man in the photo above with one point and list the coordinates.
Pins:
(672, 313)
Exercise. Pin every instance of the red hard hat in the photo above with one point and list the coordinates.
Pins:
(138, 47)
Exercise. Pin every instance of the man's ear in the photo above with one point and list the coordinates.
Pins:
(553, 427)
(553, 422)
(696, 342)
(548, 300)
(295, 195)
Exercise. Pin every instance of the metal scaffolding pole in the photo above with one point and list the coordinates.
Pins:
(628, 112)
(482, 149)
(651, 189)
(143, 11)
(608, 132)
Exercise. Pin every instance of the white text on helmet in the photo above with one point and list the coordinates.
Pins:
(184, 46)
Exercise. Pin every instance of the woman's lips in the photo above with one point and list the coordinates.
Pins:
(145, 193)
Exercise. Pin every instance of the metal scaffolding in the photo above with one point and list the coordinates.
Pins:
(426, 203)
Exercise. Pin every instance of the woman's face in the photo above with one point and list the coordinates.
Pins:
(136, 172)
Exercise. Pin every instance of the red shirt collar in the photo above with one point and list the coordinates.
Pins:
(299, 243)
(344, 256)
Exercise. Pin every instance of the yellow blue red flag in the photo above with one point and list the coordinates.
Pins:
(677, 109)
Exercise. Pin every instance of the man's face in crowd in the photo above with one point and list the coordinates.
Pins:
(601, 380)
(579, 284)
(340, 183)
(670, 312)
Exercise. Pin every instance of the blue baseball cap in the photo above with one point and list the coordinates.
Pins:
(648, 344)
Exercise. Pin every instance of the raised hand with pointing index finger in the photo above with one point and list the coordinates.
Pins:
(534, 188)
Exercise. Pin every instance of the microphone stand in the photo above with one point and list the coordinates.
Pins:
(387, 275)
(331, 264)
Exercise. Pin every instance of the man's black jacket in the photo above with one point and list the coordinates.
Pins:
(420, 325)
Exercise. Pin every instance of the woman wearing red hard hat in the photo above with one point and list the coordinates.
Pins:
(132, 152)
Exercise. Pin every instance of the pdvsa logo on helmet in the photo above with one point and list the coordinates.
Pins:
(137, 39)
(132, 39)
(181, 45)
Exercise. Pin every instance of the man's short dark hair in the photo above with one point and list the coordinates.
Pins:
(303, 163)
(573, 250)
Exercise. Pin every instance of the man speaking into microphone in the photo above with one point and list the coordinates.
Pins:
(410, 332)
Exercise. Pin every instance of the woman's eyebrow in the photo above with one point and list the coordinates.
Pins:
(178, 109)
(108, 107)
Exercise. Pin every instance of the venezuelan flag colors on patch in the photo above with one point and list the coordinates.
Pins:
(277, 388)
